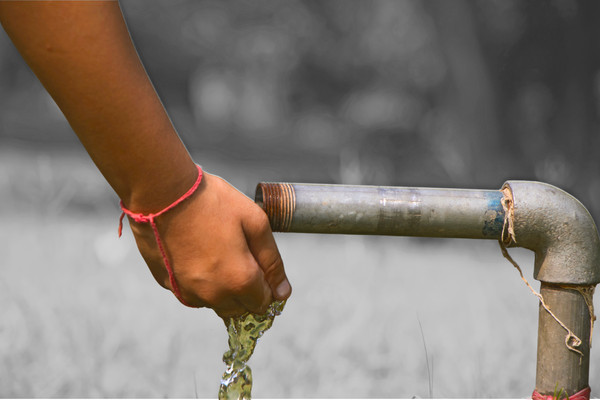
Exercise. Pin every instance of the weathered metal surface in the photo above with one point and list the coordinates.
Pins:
(379, 210)
(557, 366)
(539, 217)
(559, 230)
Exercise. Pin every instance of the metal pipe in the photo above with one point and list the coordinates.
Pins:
(558, 229)
(533, 215)
(378, 210)
(556, 364)
(563, 236)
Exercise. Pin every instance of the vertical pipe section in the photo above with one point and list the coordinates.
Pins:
(557, 366)
(380, 210)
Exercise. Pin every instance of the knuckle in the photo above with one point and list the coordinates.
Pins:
(260, 220)
(274, 268)
(263, 220)
(244, 279)
(195, 289)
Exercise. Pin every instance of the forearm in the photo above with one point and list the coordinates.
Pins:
(83, 55)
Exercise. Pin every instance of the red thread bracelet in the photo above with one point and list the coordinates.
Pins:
(149, 218)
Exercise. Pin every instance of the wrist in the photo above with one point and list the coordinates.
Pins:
(156, 188)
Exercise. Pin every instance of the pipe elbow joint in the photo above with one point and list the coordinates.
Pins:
(558, 229)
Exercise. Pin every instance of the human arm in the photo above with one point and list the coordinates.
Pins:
(219, 242)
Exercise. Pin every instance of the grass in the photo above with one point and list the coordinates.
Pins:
(82, 317)
(429, 368)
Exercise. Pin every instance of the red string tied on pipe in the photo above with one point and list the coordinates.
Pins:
(581, 395)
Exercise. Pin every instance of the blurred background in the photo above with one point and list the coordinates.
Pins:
(408, 93)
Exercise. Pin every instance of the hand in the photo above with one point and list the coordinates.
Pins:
(221, 249)
(218, 241)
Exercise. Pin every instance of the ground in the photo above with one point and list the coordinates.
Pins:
(82, 316)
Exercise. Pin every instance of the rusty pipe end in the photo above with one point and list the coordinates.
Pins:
(558, 229)
(278, 200)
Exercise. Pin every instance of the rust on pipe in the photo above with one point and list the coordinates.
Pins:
(279, 202)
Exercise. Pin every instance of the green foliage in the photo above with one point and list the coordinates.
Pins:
(559, 394)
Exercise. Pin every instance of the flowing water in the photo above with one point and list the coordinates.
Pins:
(244, 332)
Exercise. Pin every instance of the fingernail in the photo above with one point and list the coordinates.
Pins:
(283, 290)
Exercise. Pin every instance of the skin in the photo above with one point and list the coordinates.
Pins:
(218, 241)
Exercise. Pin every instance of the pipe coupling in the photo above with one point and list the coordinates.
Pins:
(557, 228)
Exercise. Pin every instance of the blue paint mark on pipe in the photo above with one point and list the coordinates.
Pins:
(494, 216)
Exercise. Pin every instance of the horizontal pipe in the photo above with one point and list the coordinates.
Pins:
(379, 210)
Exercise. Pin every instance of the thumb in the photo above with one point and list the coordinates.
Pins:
(264, 249)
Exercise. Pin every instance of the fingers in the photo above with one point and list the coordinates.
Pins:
(234, 285)
(255, 297)
(262, 246)
(255, 294)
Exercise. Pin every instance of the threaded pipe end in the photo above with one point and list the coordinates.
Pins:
(278, 200)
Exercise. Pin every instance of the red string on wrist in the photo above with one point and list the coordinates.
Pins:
(149, 218)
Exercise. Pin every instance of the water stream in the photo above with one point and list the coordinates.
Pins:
(244, 332)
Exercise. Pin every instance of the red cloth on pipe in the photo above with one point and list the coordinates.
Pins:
(581, 395)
